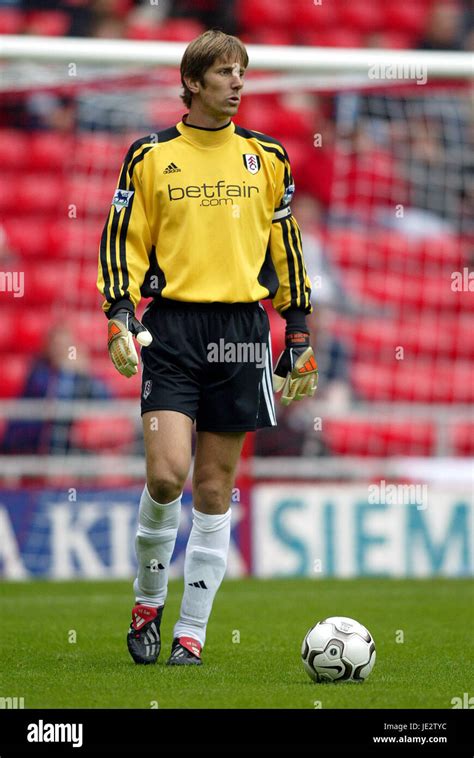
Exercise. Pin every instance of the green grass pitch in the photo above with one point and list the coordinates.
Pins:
(422, 630)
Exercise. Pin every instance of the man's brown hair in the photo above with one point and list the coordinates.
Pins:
(203, 52)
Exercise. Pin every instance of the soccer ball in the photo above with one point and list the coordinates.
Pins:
(338, 649)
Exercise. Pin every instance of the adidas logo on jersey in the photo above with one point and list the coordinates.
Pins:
(200, 584)
(171, 169)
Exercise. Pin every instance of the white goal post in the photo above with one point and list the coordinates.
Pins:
(438, 64)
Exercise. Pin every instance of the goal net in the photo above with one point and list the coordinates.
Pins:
(381, 152)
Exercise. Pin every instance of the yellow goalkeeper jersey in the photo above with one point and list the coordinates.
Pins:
(203, 215)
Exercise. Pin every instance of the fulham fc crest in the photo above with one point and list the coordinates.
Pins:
(251, 162)
(147, 388)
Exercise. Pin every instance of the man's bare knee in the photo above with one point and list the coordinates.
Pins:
(211, 497)
(164, 488)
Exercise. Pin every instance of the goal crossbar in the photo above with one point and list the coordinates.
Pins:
(437, 64)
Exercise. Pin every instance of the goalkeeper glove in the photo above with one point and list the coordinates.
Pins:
(120, 343)
(296, 371)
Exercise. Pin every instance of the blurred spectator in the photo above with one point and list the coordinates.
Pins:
(108, 19)
(60, 373)
(76, 11)
(84, 18)
(467, 26)
(50, 110)
(8, 257)
(368, 175)
(214, 14)
(327, 287)
(443, 31)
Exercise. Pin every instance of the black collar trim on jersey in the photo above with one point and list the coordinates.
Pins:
(204, 128)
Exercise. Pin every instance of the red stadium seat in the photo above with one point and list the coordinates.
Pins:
(14, 372)
(179, 30)
(336, 37)
(40, 193)
(415, 381)
(8, 330)
(172, 30)
(350, 248)
(76, 237)
(90, 327)
(318, 174)
(444, 248)
(48, 23)
(408, 291)
(86, 282)
(11, 21)
(268, 36)
(122, 8)
(68, 282)
(387, 40)
(50, 151)
(463, 438)
(142, 30)
(257, 116)
(298, 153)
(120, 386)
(379, 438)
(49, 282)
(14, 149)
(263, 13)
(89, 198)
(392, 250)
(373, 178)
(103, 435)
(360, 15)
(375, 338)
(310, 15)
(8, 192)
(31, 330)
(294, 124)
(100, 151)
(409, 17)
(275, 120)
(29, 236)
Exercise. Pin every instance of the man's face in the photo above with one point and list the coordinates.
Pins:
(223, 87)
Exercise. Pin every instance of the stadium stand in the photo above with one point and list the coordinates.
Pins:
(405, 295)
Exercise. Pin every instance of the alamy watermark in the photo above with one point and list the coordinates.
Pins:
(13, 281)
(399, 71)
(12, 703)
(399, 494)
(42, 731)
(462, 281)
(237, 352)
(466, 701)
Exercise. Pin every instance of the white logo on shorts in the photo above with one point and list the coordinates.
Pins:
(147, 388)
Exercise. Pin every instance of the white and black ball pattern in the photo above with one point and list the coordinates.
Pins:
(338, 649)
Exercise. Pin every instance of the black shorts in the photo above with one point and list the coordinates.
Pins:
(210, 361)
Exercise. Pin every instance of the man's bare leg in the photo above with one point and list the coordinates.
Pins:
(167, 437)
(217, 456)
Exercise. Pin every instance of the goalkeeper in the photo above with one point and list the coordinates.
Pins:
(201, 222)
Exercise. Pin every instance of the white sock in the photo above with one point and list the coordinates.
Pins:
(204, 568)
(154, 544)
